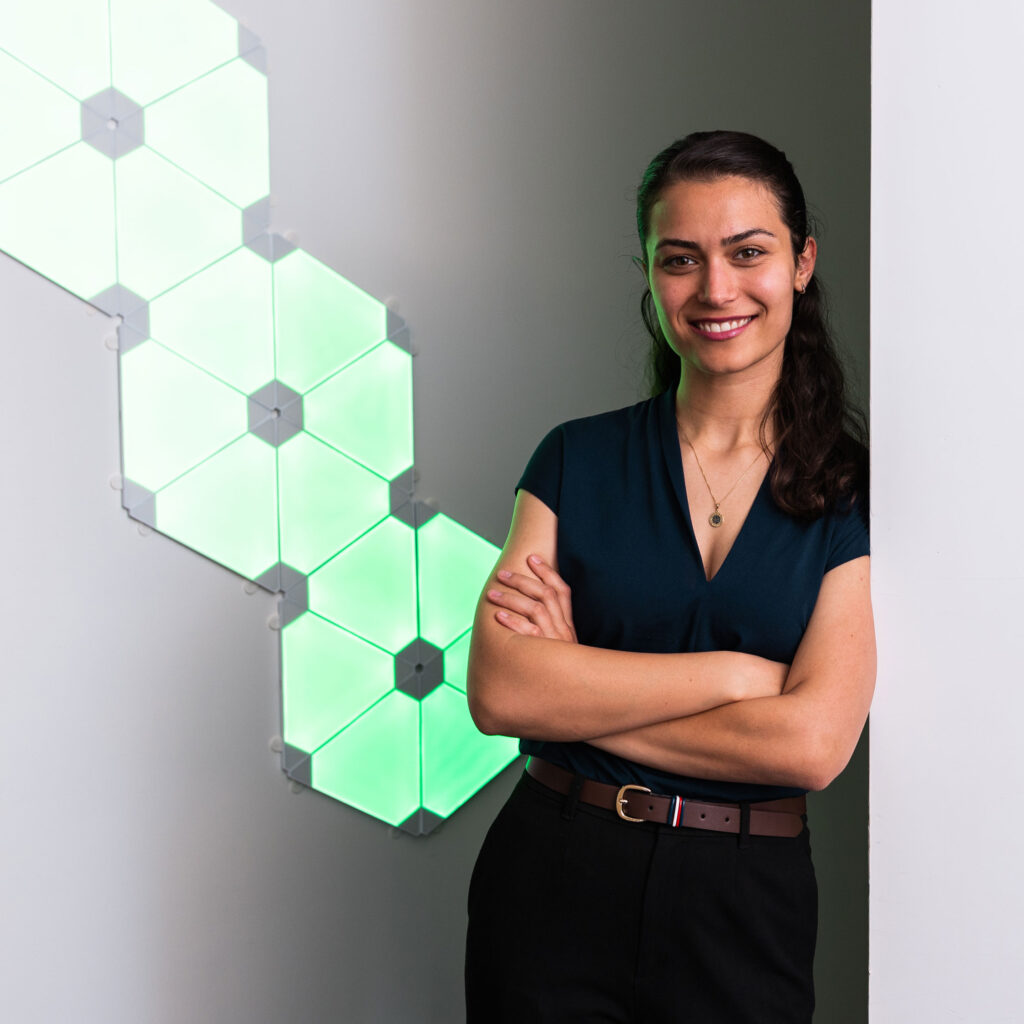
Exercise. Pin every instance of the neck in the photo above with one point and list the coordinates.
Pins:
(723, 412)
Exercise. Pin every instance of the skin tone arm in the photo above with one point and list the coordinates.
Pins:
(802, 737)
(535, 680)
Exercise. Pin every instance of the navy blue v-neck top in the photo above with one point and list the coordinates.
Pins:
(626, 548)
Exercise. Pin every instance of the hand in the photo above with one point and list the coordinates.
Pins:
(537, 605)
(764, 678)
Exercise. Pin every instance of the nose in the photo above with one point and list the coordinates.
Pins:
(718, 284)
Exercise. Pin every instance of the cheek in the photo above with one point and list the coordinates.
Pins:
(776, 294)
(660, 302)
(669, 297)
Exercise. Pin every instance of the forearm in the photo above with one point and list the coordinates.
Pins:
(805, 736)
(549, 690)
(788, 740)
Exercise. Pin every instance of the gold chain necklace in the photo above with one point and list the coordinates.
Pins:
(716, 518)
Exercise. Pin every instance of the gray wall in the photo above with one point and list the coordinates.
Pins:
(475, 162)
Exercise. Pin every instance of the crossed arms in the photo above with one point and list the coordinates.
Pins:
(716, 715)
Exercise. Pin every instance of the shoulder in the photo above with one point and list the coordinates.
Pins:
(591, 452)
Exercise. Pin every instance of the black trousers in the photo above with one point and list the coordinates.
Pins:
(578, 916)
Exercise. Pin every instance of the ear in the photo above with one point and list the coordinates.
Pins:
(805, 264)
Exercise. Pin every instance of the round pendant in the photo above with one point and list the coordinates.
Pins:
(715, 519)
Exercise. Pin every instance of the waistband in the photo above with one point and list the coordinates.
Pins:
(634, 803)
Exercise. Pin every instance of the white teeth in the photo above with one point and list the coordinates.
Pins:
(726, 325)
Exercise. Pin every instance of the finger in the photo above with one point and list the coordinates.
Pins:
(517, 623)
(536, 611)
(537, 590)
(529, 585)
(548, 575)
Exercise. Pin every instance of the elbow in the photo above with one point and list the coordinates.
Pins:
(488, 703)
(497, 693)
(485, 716)
(819, 759)
(814, 778)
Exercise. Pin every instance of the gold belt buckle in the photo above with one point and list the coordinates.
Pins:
(621, 798)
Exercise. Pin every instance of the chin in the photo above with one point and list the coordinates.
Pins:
(724, 363)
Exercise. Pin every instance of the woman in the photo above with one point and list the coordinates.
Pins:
(680, 629)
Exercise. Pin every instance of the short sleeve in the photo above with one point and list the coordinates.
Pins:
(543, 474)
(850, 537)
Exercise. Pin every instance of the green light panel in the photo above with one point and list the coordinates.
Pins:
(375, 391)
(266, 401)
(216, 129)
(175, 415)
(323, 321)
(226, 507)
(158, 46)
(370, 587)
(168, 225)
(373, 763)
(44, 119)
(456, 661)
(327, 501)
(455, 753)
(222, 320)
(316, 655)
(58, 218)
(453, 562)
(67, 43)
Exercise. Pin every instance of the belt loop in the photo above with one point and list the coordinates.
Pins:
(572, 798)
(744, 824)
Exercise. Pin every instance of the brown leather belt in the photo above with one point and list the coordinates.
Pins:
(637, 803)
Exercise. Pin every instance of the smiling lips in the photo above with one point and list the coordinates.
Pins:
(720, 330)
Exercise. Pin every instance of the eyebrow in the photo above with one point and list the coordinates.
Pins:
(681, 243)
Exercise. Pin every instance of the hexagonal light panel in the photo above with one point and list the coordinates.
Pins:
(266, 400)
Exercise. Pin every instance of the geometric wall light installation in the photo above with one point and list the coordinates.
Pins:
(266, 401)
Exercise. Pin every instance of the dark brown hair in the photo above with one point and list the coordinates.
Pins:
(820, 458)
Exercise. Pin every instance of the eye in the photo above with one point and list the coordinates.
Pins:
(678, 262)
(749, 252)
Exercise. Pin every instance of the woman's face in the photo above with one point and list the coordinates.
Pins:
(722, 274)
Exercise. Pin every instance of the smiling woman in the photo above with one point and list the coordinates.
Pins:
(679, 630)
(715, 283)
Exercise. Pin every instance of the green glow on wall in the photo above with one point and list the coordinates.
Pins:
(160, 443)
(323, 321)
(44, 119)
(226, 507)
(222, 320)
(316, 655)
(327, 501)
(456, 660)
(453, 562)
(57, 217)
(158, 46)
(455, 753)
(169, 225)
(373, 763)
(370, 587)
(266, 401)
(67, 43)
(216, 129)
(376, 389)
